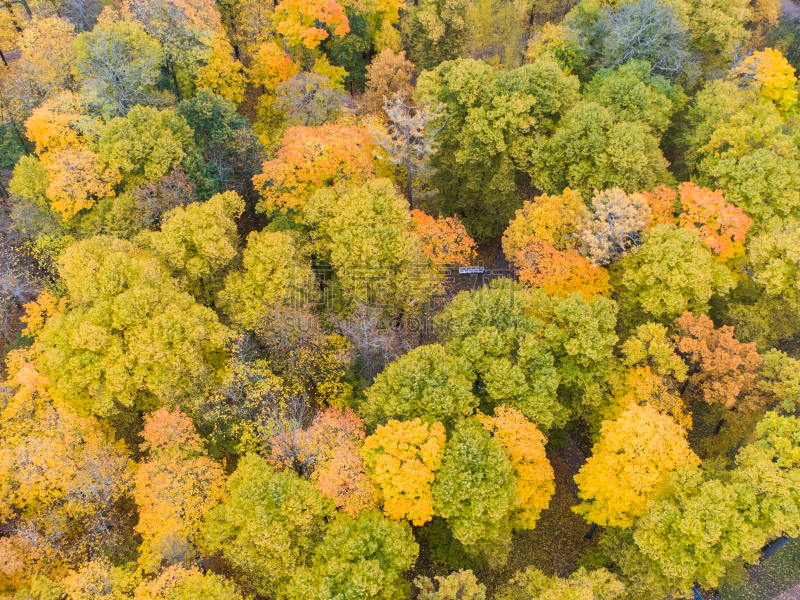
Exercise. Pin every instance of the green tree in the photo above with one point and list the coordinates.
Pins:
(580, 335)
(532, 584)
(633, 95)
(490, 328)
(672, 272)
(437, 30)
(494, 123)
(270, 525)
(752, 159)
(592, 150)
(359, 558)
(227, 142)
(145, 145)
(198, 242)
(365, 233)
(474, 491)
(129, 338)
(428, 382)
(273, 273)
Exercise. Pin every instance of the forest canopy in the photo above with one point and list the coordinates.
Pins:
(437, 300)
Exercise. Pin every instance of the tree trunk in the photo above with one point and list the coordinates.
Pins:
(27, 8)
(408, 180)
(719, 426)
(3, 58)
(175, 81)
(591, 531)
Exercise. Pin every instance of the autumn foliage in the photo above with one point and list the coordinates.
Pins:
(629, 464)
(726, 370)
(444, 240)
(176, 488)
(524, 444)
(311, 157)
(403, 458)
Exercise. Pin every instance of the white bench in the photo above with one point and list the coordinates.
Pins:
(470, 270)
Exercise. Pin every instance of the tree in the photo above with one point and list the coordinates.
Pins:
(633, 94)
(297, 22)
(671, 273)
(310, 158)
(344, 479)
(373, 341)
(107, 351)
(562, 44)
(444, 240)
(179, 583)
(484, 147)
(198, 242)
(770, 75)
(710, 522)
(387, 74)
(721, 226)
(155, 198)
(561, 272)
(616, 225)
(427, 382)
(228, 144)
(309, 100)
(458, 585)
(117, 64)
(438, 31)
(409, 141)
(490, 328)
(629, 465)
(222, 75)
(524, 444)
(774, 261)
(652, 31)
(725, 370)
(650, 344)
(47, 56)
(76, 181)
(402, 457)
(177, 486)
(592, 150)
(364, 233)
(63, 477)
(474, 491)
(359, 558)
(662, 202)
(309, 359)
(182, 28)
(273, 273)
(551, 220)
(532, 584)
(754, 162)
(269, 526)
(145, 145)
(580, 335)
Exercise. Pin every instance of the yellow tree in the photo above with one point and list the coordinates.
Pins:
(550, 219)
(770, 75)
(176, 488)
(524, 444)
(402, 457)
(629, 464)
(62, 478)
